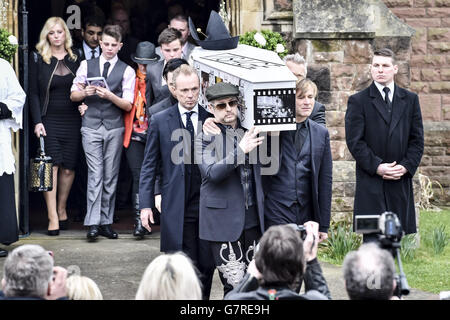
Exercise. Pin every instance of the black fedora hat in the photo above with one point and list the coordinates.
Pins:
(217, 35)
(145, 53)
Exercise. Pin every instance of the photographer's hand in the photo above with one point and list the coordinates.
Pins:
(311, 242)
(323, 236)
(253, 270)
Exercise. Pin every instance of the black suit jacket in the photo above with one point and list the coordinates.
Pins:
(222, 203)
(155, 91)
(372, 139)
(158, 156)
(82, 54)
(318, 113)
(321, 173)
(41, 75)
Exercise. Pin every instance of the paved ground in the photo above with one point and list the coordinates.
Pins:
(117, 265)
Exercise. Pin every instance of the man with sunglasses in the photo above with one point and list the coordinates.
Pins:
(231, 194)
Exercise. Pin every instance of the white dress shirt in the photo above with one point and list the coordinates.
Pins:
(391, 87)
(128, 81)
(11, 94)
(194, 116)
(88, 51)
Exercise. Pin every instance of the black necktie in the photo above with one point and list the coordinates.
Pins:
(386, 99)
(105, 69)
(93, 53)
(300, 136)
(190, 128)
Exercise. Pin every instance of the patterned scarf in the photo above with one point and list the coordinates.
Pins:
(141, 124)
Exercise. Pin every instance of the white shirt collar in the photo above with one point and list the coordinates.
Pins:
(112, 61)
(391, 87)
(183, 110)
(88, 49)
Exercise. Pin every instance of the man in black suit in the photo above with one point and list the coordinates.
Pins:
(180, 22)
(384, 133)
(301, 189)
(92, 32)
(168, 71)
(121, 18)
(298, 66)
(169, 151)
(157, 89)
(231, 195)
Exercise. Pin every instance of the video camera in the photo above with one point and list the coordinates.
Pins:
(390, 233)
(387, 225)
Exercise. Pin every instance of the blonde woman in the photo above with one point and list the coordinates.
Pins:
(170, 277)
(52, 69)
(82, 288)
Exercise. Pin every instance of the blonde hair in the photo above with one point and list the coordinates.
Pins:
(303, 85)
(43, 46)
(185, 70)
(170, 277)
(82, 288)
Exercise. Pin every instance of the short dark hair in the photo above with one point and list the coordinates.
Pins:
(179, 17)
(114, 31)
(172, 65)
(93, 20)
(280, 257)
(385, 52)
(169, 35)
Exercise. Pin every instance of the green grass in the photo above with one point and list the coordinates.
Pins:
(429, 271)
(424, 269)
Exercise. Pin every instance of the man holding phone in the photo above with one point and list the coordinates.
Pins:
(103, 127)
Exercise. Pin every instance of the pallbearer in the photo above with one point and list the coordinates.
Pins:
(231, 195)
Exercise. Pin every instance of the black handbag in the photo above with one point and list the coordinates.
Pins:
(41, 171)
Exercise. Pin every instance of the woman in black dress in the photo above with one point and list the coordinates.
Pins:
(52, 70)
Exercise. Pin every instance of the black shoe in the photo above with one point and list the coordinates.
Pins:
(3, 253)
(53, 233)
(139, 230)
(92, 233)
(64, 224)
(107, 231)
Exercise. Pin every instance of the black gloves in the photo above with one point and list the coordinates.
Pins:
(5, 113)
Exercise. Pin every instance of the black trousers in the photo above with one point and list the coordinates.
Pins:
(9, 232)
(222, 256)
(135, 156)
(198, 250)
(276, 213)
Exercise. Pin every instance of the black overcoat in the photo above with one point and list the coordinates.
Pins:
(162, 143)
(373, 137)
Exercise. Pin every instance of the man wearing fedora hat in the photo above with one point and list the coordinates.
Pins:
(136, 125)
(231, 194)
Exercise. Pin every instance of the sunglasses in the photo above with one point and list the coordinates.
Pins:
(223, 105)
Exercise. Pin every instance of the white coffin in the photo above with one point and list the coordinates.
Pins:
(266, 85)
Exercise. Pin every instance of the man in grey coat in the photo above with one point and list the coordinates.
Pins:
(231, 194)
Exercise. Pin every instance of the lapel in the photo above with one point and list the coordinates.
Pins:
(174, 119)
(398, 107)
(378, 102)
(312, 135)
(174, 123)
(202, 116)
